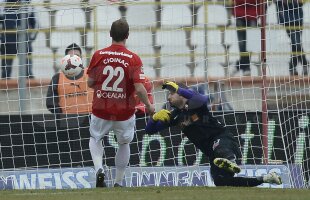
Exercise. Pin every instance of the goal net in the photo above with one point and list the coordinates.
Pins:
(249, 57)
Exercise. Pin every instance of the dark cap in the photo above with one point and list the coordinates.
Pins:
(73, 46)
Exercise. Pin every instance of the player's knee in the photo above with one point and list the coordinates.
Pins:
(95, 139)
(125, 139)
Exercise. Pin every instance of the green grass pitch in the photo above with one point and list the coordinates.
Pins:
(158, 193)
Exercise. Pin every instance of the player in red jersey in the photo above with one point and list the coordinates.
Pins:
(140, 108)
(116, 75)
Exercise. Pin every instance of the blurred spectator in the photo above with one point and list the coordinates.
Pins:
(140, 107)
(1, 13)
(246, 13)
(32, 23)
(9, 40)
(290, 15)
(200, 88)
(213, 105)
(64, 93)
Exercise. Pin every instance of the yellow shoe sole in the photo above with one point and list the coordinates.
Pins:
(227, 165)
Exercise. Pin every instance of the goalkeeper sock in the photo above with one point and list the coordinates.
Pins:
(121, 161)
(96, 150)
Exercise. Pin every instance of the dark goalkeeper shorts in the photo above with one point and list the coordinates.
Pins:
(223, 146)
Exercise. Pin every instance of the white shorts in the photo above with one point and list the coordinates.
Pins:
(124, 130)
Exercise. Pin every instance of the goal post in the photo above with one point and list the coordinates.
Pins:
(251, 69)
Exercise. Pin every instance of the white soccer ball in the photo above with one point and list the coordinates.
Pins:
(71, 65)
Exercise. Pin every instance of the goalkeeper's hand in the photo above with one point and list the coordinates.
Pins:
(162, 115)
(172, 86)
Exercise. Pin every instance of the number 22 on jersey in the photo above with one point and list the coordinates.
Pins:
(113, 72)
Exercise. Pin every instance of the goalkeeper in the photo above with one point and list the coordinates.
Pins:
(207, 134)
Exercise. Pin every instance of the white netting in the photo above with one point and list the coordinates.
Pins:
(194, 42)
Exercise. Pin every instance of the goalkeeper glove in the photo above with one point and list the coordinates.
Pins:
(162, 115)
(172, 86)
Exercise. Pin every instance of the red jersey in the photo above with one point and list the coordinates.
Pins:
(114, 70)
(248, 9)
(140, 107)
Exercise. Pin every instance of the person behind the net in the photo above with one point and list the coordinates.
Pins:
(290, 14)
(191, 113)
(69, 95)
(247, 14)
(9, 39)
(140, 107)
(116, 75)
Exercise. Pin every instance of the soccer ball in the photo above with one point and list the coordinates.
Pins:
(71, 65)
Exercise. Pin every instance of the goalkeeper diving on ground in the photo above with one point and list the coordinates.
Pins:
(209, 135)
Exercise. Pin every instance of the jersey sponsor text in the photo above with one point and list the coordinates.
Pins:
(110, 95)
(115, 60)
(116, 53)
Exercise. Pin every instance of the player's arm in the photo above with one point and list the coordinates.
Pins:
(172, 86)
(154, 126)
(161, 120)
(142, 94)
(195, 97)
(91, 77)
(137, 75)
(90, 82)
(91, 71)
